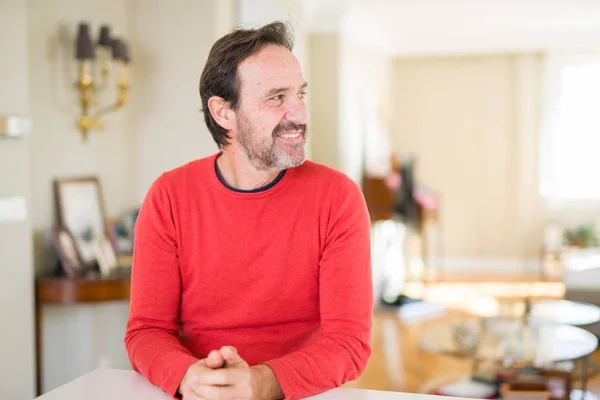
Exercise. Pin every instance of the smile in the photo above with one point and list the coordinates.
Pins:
(290, 135)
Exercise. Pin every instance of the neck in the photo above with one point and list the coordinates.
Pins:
(239, 172)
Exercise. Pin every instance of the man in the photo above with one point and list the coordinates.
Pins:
(251, 271)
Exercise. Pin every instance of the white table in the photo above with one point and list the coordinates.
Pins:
(111, 384)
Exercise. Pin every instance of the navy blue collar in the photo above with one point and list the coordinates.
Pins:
(260, 189)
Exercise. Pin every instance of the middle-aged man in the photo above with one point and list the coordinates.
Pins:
(251, 271)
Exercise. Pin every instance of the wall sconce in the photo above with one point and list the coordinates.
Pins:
(85, 53)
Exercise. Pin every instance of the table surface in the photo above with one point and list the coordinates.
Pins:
(508, 338)
(110, 384)
(565, 312)
(542, 311)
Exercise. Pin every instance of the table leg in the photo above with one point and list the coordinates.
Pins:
(584, 374)
(582, 393)
(38, 348)
(474, 366)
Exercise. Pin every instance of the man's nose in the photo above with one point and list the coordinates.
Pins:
(297, 113)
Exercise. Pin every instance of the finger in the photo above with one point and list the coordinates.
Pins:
(215, 359)
(220, 377)
(231, 356)
(191, 376)
(190, 395)
(210, 392)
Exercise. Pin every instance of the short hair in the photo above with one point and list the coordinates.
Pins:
(220, 74)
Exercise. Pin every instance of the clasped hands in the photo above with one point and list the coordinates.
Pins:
(223, 375)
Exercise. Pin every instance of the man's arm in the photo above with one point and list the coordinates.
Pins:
(264, 383)
(346, 305)
(151, 336)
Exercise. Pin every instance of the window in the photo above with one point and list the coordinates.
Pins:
(571, 130)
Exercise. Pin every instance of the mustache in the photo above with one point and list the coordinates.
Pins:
(289, 126)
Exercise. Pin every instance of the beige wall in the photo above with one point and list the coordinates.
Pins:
(16, 261)
(57, 149)
(73, 336)
(166, 106)
(324, 93)
(364, 93)
(159, 129)
(473, 123)
(350, 92)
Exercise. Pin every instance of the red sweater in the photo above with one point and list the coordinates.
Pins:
(282, 274)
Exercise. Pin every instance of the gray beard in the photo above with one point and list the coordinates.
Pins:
(266, 154)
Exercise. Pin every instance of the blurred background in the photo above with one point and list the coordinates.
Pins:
(472, 127)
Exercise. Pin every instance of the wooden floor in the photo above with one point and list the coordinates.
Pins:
(398, 364)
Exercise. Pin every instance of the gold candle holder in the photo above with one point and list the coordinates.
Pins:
(88, 89)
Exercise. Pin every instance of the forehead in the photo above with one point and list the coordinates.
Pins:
(272, 66)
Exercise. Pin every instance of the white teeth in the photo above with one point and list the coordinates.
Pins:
(290, 135)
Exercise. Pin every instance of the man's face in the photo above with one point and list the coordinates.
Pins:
(271, 116)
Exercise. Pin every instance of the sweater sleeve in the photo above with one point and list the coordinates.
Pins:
(151, 335)
(346, 305)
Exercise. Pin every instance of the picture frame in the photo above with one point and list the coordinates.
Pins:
(105, 255)
(66, 248)
(80, 210)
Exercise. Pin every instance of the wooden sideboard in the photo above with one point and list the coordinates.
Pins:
(64, 290)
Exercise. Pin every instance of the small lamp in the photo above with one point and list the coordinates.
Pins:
(85, 48)
(105, 49)
(85, 53)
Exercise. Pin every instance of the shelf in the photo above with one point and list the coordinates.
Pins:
(64, 290)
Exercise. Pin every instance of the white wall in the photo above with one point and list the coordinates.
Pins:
(350, 105)
(17, 363)
(255, 13)
(364, 93)
(472, 123)
(171, 45)
(72, 335)
(351, 98)
(439, 27)
(225, 17)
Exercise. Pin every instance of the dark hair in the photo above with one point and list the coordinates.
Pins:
(220, 77)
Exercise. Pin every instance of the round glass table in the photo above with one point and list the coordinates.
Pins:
(564, 312)
(538, 312)
(508, 340)
(513, 343)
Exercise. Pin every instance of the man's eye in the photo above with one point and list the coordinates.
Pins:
(302, 95)
(278, 97)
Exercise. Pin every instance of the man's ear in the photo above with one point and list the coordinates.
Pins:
(221, 112)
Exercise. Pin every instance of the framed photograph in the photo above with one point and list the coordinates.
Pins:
(80, 210)
(66, 249)
(105, 255)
